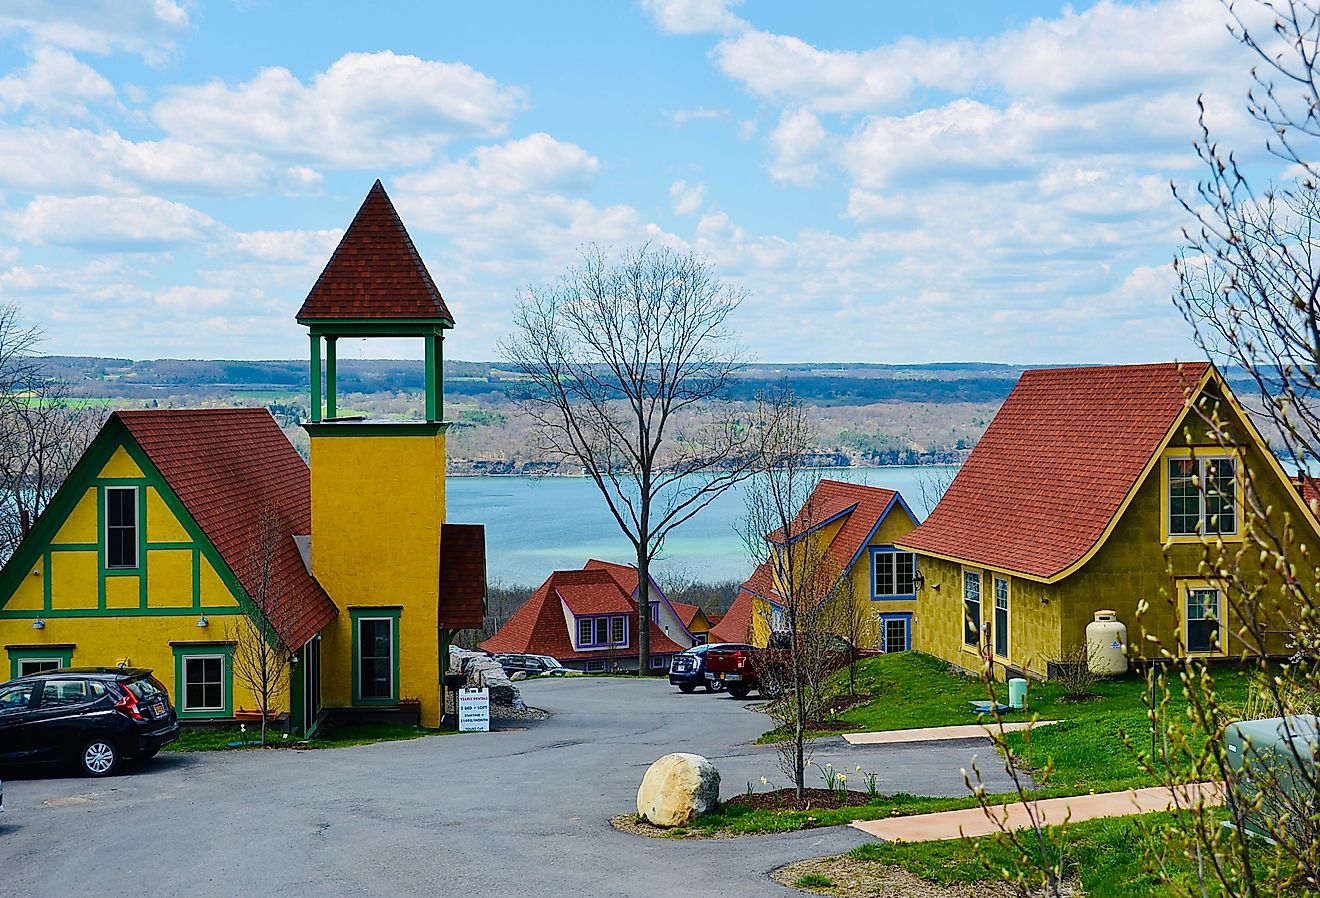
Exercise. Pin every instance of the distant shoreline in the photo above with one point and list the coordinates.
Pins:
(823, 468)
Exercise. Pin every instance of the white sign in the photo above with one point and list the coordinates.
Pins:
(473, 710)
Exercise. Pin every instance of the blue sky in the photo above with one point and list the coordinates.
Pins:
(890, 182)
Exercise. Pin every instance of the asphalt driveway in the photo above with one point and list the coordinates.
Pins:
(508, 813)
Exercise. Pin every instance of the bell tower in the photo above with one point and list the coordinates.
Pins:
(378, 486)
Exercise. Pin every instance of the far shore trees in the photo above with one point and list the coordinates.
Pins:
(626, 365)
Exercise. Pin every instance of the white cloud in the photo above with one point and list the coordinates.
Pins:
(150, 28)
(54, 81)
(535, 164)
(366, 109)
(687, 198)
(797, 145)
(286, 247)
(695, 16)
(108, 223)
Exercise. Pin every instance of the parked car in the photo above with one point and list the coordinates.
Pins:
(744, 668)
(687, 669)
(532, 664)
(93, 717)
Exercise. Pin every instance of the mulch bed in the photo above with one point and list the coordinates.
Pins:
(843, 703)
(787, 800)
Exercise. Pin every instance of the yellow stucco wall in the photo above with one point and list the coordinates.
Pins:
(377, 507)
(104, 617)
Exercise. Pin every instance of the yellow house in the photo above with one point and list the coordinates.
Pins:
(1095, 489)
(146, 554)
(848, 533)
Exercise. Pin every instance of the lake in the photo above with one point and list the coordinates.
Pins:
(538, 525)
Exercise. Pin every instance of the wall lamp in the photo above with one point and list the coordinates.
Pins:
(38, 624)
(202, 621)
(918, 581)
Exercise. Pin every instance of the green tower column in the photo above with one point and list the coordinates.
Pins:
(316, 377)
(331, 406)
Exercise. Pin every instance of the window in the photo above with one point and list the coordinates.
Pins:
(602, 631)
(121, 527)
(375, 659)
(659, 661)
(29, 666)
(971, 608)
(1001, 617)
(596, 666)
(1202, 496)
(64, 692)
(777, 618)
(15, 698)
(584, 631)
(204, 683)
(655, 612)
(893, 574)
(619, 630)
(1203, 620)
(895, 632)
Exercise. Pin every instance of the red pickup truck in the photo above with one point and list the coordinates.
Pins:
(743, 669)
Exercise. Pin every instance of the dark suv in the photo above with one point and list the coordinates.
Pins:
(93, 716)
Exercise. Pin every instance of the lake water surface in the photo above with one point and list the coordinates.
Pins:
(538, 525)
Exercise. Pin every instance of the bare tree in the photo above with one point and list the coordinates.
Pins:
(625, 367)
(778, 530)
(261, 658)
(42, 435)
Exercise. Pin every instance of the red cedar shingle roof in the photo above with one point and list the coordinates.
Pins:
(226, 465)
(462, 576)
(736, 624)
(538, 627)
(1055, 465)
(686, 613)
(596, 592)
(375, 272)
(624, 574)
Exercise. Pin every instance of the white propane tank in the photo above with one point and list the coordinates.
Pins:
(1106, 643)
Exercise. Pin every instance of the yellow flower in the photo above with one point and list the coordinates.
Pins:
(859, 769)
(764, 781)
(842, 778)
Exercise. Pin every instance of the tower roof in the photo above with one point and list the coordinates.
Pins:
(375, 273)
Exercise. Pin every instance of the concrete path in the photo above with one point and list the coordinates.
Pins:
(978, 822)
(941, 734)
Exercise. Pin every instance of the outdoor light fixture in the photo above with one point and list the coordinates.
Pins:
(203, 622)
(38, 624)
(918, 581)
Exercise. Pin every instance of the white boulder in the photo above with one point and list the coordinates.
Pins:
(678, 788)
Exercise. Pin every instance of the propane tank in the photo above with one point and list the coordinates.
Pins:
(1106, 643)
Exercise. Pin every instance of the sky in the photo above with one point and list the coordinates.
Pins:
(889, 182)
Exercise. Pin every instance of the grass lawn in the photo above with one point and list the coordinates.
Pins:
(337, 737)
(914, 690)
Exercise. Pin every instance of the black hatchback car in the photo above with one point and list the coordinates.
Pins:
(94, 717)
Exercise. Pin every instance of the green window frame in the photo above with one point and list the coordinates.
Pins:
(17, 656)
(356, 618)
(182, 653)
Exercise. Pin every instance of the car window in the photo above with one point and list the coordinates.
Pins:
(144, 690)
(63, 692)
(15, 698)
(96, 688)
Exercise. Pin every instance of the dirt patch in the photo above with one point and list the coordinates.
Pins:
(843, 703)
(867, 878)
(636, 826)
(787, 800)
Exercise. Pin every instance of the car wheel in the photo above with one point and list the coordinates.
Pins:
(714, 685)
(98, 757)
(686, 688)
(740, 691)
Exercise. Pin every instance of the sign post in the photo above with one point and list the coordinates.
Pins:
(474, 710)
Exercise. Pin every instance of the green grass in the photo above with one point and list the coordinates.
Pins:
(337, 737)
(813, 880)
(743, 821)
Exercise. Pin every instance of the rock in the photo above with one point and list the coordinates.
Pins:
(483, 670)
(518, 675)
(677, 788)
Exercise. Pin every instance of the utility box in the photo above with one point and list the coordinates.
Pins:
(1273, 765)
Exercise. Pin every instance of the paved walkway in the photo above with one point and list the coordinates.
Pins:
(977, 822)
(940, 734)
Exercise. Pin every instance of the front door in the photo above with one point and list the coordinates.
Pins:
(311, 683)
(895, 632)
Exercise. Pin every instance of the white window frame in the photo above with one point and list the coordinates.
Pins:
(890, 589)
(596, 666)
(1202, 527)
(621, 621)
(964, 618)
(1007, 608)
(658, 661)
(590, 624)
(24, 662)
(183, 690)
(137, 524)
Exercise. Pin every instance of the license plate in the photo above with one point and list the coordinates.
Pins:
(729, 676)
(158, 709)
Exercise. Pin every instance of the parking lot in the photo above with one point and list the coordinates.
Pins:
(519, 811)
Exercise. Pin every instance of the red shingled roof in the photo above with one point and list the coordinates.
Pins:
(624, 574)
(686, 613)
(1055, 466)
(375, 272)
(863, 505)
(539, 628)
(226, 465)
(736, 624)
(462, 576)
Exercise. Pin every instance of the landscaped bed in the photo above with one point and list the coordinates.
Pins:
(246, 737)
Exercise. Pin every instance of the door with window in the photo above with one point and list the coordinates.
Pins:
(375, 638)
(1000, 624)
(311, 682)
(895, 632)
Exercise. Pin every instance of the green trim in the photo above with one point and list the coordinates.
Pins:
(355, 615)
(153, 547)
(183, 651)
(315, 376)
(71, 547)
(64, 654)
(55, 613)
(375, 327)
(429, 364)
(376, 429)
(330, 401)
